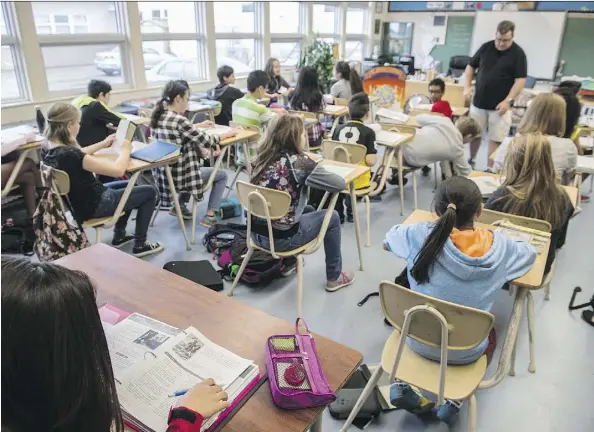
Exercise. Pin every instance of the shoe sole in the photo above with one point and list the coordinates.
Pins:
(406, 404)
(121, 245)
(149, 252)
(337, 287)
(188, 217)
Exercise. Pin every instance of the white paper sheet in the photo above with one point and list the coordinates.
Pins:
(388, 138)
(282, 90)
(216, 130)
(339, 170)
(333, 108)
(487, 184)
(392, 115)
(121, 134)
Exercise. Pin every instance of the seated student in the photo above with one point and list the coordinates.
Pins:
(56, 373)
(436, 91)
(28, 179)
(247, 110)
(169, 124)
(308, 97)
(88, 197)
(453, 260)
(355, 131)
(95, 114)
(348, 81)
(274, 87)
(573, 110)
(546, 115)
(226, 93)
(439, 140)
(530, 188)
(281, 165)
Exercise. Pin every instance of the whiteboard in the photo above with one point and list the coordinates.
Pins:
(538, 33)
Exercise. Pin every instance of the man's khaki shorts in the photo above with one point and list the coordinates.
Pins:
(490, 121)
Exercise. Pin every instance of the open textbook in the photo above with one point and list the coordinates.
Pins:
(152, 360)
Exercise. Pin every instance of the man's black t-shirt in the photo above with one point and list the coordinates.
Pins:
(497, 71)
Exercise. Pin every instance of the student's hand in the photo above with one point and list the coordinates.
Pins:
(204, 124)
(503, 107)
(127, 146)
(279, 110)
(107, 142)
(467, 97)
(206, 399)
(229, 134)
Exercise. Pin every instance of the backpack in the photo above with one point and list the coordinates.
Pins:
(220, 237)
(17, 231)
(58, 233)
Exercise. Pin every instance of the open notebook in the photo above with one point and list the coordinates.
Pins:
(388, 138)
(487, 184)
(386, 115)
(151, 360)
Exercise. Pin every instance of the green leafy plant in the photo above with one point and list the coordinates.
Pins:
(319, 56)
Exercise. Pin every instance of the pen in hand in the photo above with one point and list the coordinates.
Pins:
(179, 393)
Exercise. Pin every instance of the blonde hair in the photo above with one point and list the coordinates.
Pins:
(283, 135)
(468, 126)
(530, 178)
(545, 115)
(59, 117)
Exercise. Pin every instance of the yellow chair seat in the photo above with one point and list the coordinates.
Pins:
(414, 369)
(367, 190)
(287, 253)
(96, 222)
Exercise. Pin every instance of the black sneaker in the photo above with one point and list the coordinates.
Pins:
(289, 266)
(426, 170)
(394, 180)
(147, 249)
(121, 242)
(350, 218)
(186, 214)
(472, 163)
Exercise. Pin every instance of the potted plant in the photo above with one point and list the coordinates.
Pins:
(319, 56)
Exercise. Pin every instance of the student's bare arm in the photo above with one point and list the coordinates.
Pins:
(93, 148)
(370, 160)
(108, 168)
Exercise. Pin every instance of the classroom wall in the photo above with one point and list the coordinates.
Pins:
(576, 47)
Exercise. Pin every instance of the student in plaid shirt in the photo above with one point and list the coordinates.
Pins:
(308, 97)
(169, 124)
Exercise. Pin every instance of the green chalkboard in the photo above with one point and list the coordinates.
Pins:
(576, 48)
(458, 38)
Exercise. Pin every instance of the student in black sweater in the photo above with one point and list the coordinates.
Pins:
(226, 93)
(530, 188)
(95, 114)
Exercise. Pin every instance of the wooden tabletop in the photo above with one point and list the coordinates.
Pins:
(335, 112)
(242, 135)
(31, 145)
(456, 111)
(138, 286)
(412, 121)
(358, 170)
(406, 138)
(572, 191)
(531, 280)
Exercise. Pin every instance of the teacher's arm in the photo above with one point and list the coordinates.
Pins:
(520, 81)
(471, 68)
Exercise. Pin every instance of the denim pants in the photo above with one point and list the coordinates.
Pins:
(142, 198)
(310, 224)
(217, 191)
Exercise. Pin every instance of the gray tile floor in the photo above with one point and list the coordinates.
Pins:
(556, 398)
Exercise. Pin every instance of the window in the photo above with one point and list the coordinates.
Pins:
(353, 50)
(399, 39)
(238, 33)
(356, 21)
(325, 19)
(356, 31)
(173, 42)
(287, 53)
(58, 18)
(285, 17)
(14, 80)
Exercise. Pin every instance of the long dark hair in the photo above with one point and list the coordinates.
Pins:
(273, 81)
(307, 91)
(351, 76)
(56, 369)
(283, 135)
(457, 200)
(171, 90)
(573, 109)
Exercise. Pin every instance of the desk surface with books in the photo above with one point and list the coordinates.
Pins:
(137, 286)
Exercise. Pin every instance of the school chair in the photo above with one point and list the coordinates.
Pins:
(400, 165)
(439, 324)
(353, 154)
(61, 187)
(272, 205)
(306, 115)
(585, 165)
(247, 163)
(493, 217)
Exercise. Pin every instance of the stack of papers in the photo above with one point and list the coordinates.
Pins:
(423, 107)
(216, 130)
(386, 115)
(388, 138)
(487, 184)
(152, 360)
(343, 172)
(334, 108)
(13, 138)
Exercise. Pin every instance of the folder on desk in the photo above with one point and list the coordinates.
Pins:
(155, 151)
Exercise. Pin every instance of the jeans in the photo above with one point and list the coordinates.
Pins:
(218, 188)
(310, 224)
(142, 198)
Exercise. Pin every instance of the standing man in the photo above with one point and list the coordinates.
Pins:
(502, 70)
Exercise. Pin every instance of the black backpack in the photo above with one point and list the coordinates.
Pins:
(18, 236)
(220, 237)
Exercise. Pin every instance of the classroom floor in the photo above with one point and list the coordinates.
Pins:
(556, 398)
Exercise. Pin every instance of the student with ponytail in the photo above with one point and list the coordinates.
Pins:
(453, 260)
(169, 124)
(348, 81)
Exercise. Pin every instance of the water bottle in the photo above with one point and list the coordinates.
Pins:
(40, 119)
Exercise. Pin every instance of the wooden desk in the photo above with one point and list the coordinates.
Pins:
(454, 93)
(195, 108)
(457, 111)
(572, 192)
(337, 112)
(138, 286)
(136, 166)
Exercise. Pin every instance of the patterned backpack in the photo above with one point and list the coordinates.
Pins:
(57, 232)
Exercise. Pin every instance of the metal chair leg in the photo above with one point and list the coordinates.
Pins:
(530, 307)
(414, 182)
(99, 232)
(194, 217)
(472, 413)
(400, 181)
(363, 398)
(299, 285)
(244, 264)
(368, 217)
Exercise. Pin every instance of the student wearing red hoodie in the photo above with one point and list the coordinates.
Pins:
(56, 368)
(436, 91)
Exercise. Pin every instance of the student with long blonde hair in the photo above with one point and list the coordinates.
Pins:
(530, 188)
(282, 165)
(88, 196)
(547, 115)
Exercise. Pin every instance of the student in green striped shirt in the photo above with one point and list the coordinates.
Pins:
(247, 110)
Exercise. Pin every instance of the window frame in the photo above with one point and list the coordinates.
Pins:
(12, 40)
(199, 36)
(363, 37)
(337, 18)
(299, 37)
(257, 35)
